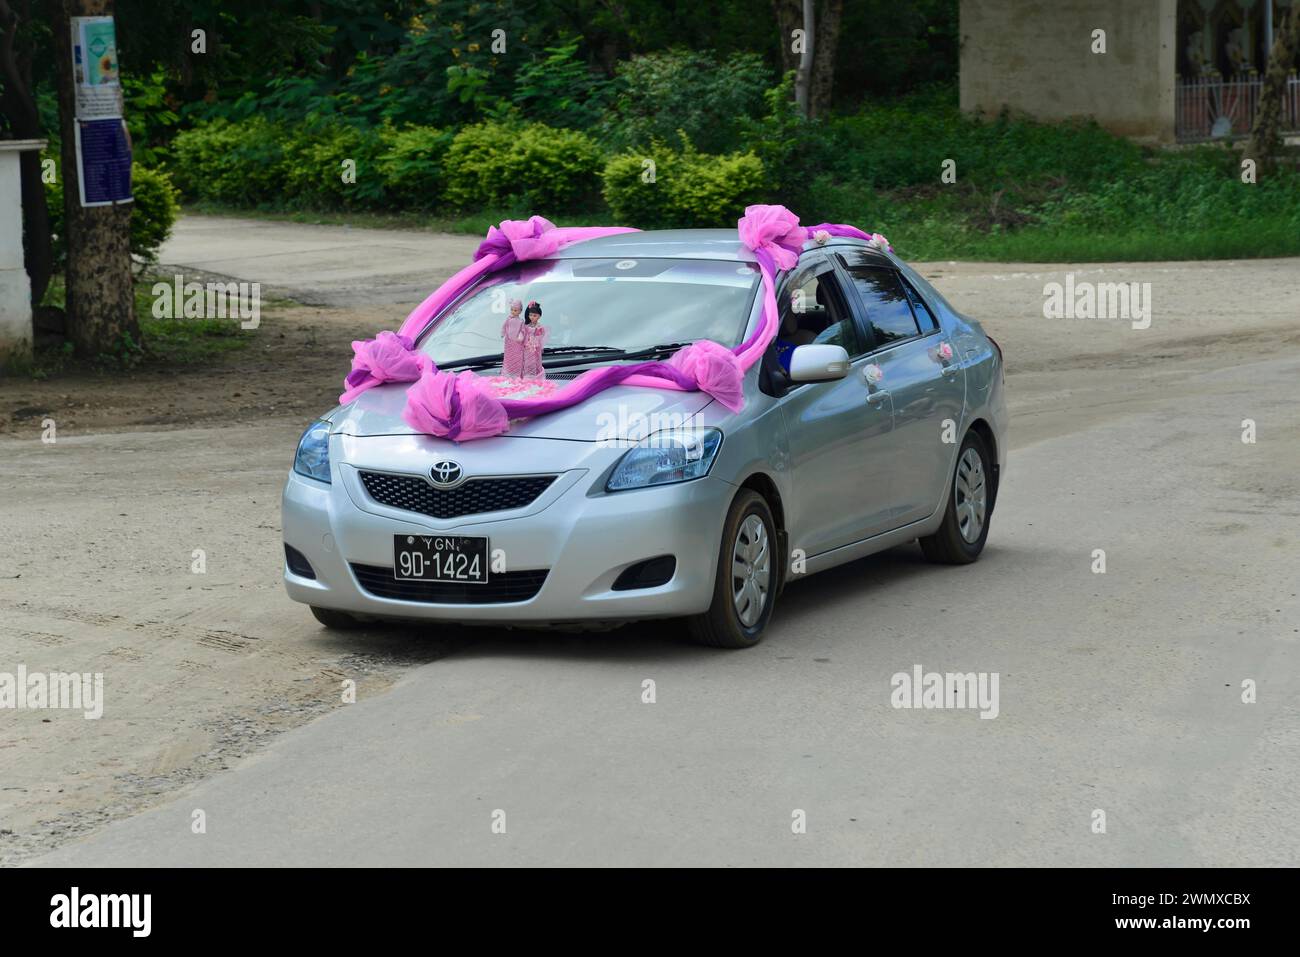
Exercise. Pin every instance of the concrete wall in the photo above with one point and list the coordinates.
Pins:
(1035, 56)
(15, 288)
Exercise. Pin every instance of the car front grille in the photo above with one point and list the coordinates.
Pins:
(500, 588)
(412, 493)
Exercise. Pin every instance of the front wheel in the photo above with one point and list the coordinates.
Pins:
(744, 591)
(960, 539)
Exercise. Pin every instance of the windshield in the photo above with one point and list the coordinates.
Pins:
(603, 306)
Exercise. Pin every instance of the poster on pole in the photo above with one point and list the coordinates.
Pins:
(94, 68)
(102, 142)
(103, 162)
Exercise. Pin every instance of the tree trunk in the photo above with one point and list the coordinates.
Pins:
(789, 17)
(1266, 138)
(18, 105)
(100, 292)
(828, 41)
(803, 77)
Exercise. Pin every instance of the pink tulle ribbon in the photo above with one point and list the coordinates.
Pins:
(388, 357)
(715, 369)
(453, 406)
(461, 408)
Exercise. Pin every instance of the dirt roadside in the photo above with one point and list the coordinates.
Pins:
(100, 530)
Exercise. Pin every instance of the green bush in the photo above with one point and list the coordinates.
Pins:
(633, 200)
(236, 163)
(255, 162)
(157, 204)
(689, 188)
(690, 91)
(315, 156)
(903, 143)
(503, 164)
(412, 165)
(153, 214)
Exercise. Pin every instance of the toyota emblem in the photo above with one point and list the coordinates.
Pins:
(445, 474)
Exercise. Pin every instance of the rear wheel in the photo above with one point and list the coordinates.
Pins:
(338, 620)
(744, 591)
(960, 539)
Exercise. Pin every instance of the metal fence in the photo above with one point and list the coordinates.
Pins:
(1210, 107)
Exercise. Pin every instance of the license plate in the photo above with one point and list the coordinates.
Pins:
(440, 558)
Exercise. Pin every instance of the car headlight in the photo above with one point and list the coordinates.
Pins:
(313, 456)
(666, 457)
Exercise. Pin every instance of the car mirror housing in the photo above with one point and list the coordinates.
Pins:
(818, 363)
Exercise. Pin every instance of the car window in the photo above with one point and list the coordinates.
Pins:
(813, 310)
(923, 314)
(888, 312)
(626, 304)
(926, 287)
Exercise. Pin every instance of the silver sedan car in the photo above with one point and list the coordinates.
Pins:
(877, 417)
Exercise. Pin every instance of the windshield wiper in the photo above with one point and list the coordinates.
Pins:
(475, 362)
(495, 358)
(660, 349)
(570, 350)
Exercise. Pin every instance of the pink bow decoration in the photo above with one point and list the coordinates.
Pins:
(773, 231)
(715, 369)
(533, 238)
(453, 406)
(944, 352)
(388, 357)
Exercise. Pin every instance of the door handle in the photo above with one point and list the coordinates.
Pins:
(875, 398)
(949, 371)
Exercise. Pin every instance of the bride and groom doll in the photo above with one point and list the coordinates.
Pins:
(524, 338)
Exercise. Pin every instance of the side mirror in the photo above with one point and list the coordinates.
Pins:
(818, 363)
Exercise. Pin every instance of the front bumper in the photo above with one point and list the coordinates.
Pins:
(582, 537)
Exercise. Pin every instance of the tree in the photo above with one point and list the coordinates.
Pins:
(1266, 137)
(814, 61)
(18, 107)
(827, 48)
(100, 292)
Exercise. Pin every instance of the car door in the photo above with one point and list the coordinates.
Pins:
(927, 391)
(839, 479)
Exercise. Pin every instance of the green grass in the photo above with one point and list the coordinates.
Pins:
(1038, 192)
(469, 223)
(167, 342)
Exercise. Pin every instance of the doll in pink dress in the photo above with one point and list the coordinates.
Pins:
(512, 337)
(524, 339)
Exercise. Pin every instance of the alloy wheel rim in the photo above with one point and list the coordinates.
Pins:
(751, 564)
(971, 495)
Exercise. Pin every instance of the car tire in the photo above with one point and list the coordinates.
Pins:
(338, 620)
(961, 537)
(748, 540)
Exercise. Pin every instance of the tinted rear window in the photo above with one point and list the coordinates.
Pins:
(889, 313)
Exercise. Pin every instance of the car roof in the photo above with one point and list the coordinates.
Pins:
(722, 244)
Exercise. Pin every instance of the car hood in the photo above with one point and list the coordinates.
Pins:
(616, 413)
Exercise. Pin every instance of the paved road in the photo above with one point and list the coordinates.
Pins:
(318, 265)
(1119, 692)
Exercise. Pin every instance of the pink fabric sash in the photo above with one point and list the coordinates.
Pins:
(461, 408)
